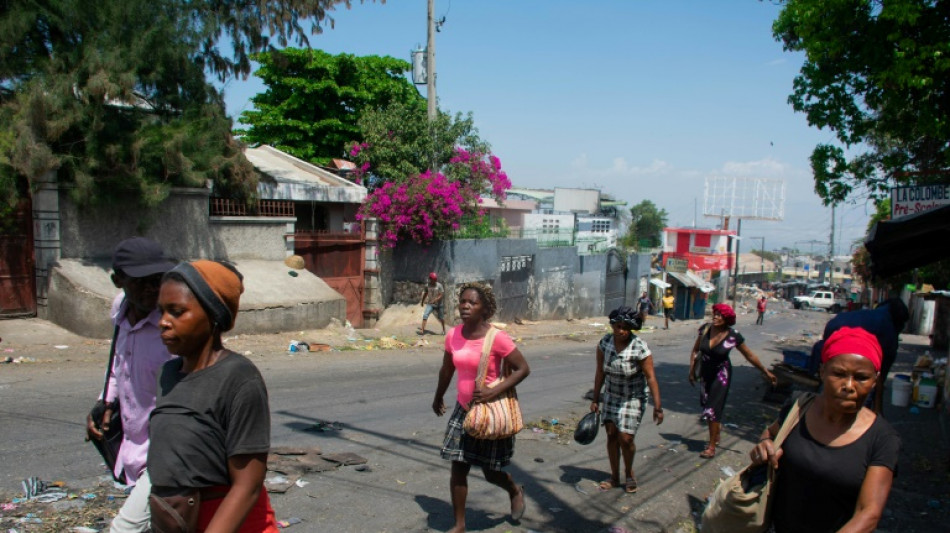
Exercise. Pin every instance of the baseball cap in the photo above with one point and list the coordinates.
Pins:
(139, 257)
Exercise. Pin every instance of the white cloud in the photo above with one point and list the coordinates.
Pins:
(762, 168)
(619, 167)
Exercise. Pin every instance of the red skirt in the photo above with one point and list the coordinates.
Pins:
(260, 519)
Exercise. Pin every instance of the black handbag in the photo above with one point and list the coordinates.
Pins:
(111, 441)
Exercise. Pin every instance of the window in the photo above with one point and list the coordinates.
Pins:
(600, 226)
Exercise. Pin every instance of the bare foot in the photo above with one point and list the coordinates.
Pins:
(457, 529)
(517, 504)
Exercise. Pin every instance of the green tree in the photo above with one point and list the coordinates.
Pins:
(646, 226)
(399, 142)
(877, 74)
(113, 95)
(314, 99)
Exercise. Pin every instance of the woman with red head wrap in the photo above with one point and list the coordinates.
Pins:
(709, 362)
(836, 467)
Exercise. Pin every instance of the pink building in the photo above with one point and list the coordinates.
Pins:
(702, 249)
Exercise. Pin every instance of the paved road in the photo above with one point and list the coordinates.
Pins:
(383, 398)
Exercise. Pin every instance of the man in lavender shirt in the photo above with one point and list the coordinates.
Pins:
(138, 265)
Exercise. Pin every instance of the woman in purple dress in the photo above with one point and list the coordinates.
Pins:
(709, 362)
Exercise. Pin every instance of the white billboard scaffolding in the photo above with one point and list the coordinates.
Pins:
(743, 198)
(748, 198)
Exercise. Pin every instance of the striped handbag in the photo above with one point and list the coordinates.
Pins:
(500, 418)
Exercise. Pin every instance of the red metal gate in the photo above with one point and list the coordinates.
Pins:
(338, 259)
(17, 282)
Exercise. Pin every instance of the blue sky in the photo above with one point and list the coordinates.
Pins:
(642, 99)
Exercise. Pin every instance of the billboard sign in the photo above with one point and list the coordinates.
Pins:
(912, 200)
(674, 264)
(697, 262)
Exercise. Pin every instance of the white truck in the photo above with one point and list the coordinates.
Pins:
(821, 299)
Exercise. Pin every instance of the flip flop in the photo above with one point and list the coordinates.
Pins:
(631, 486)
(708, 453)
(608, 484)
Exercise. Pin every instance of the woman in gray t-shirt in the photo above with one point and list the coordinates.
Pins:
(210, 429)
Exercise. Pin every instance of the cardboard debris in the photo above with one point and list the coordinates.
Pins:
(346, 458)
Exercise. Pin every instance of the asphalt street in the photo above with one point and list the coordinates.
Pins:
(377, 404)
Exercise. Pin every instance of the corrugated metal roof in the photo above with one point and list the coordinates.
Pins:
(692, 280)
(285, 177)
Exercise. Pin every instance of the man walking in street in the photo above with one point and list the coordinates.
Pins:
(668, 302)
(138, 265)
(760, 307)
(432, 297)
(644, 306)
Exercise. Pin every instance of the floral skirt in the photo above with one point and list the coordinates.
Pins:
(460, 446)
(715, 380)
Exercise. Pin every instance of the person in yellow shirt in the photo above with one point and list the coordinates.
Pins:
(668, 302)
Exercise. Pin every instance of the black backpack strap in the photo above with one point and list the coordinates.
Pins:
(105, 386)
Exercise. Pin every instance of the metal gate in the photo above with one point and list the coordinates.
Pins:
(17, 281)
(337, 258)
(615, 284)
(512, 289)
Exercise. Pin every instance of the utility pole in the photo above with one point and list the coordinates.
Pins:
(430, 62)
(831, 248)
(430, 85)
(762, 255)
(735, 277)
(831, 241)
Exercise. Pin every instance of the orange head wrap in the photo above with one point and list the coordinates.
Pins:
(217, 286)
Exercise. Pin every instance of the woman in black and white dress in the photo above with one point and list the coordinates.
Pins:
(625, 371)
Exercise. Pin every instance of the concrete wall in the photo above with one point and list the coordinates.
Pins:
(260, 238)
(554, 283)
(77, 252)
(638, 276)
(80, 297)
(181, 224)
(589, 272)
(81, 294)
(529, 282)
(469, 260)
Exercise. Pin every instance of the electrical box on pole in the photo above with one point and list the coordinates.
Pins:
(419, 70)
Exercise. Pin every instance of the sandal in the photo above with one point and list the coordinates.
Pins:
(631, 486)
(608, 484)
(708, 453)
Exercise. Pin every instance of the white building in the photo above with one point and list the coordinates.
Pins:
(572, 217)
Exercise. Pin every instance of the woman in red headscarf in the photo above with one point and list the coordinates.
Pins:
(836, 467)
(709, 362)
